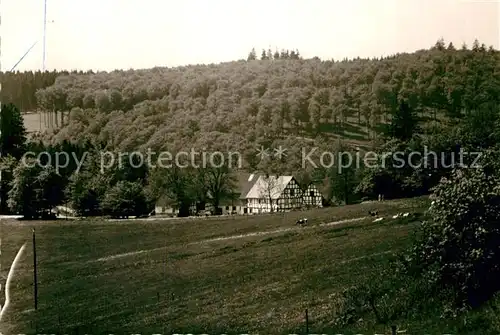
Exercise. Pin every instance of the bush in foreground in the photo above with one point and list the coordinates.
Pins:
(459, 248)
(452, 266)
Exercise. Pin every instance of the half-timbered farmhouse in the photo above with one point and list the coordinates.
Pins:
(313, 196)
(274, 194)
(254, 194)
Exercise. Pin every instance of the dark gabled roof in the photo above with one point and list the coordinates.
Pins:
(245, 181)
(312, 184)
(316, 186)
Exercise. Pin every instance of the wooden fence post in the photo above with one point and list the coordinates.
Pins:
(35, 280)
(393, 329)
(307, 322)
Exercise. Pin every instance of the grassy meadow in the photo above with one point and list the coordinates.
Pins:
(198, 275)
(32, 122)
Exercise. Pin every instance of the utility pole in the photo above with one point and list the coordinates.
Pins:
(44, 32)
(43, 57)
(1, 148)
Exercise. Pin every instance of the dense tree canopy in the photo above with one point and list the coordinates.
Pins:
(12, 146)
(12, 131)
(279, 99)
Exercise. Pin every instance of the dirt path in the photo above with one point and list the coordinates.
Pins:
(269, 232)
(232, 237)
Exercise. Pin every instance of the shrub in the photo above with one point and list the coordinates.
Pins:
(459, 247)
(125, 199)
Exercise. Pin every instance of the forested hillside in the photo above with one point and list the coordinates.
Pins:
(243, 102)
(443, 98)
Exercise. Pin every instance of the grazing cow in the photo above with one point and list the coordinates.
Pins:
(301, 221)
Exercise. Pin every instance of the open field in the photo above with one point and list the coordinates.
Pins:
(178, 276)
(32, 122)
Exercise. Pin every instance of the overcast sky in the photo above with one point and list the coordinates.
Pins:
(110, 34)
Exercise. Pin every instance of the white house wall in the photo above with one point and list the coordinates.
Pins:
(290, 198)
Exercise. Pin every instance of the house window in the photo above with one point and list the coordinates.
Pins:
(234, 208)
(227, 208)
(311, 194)
(292, 192)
